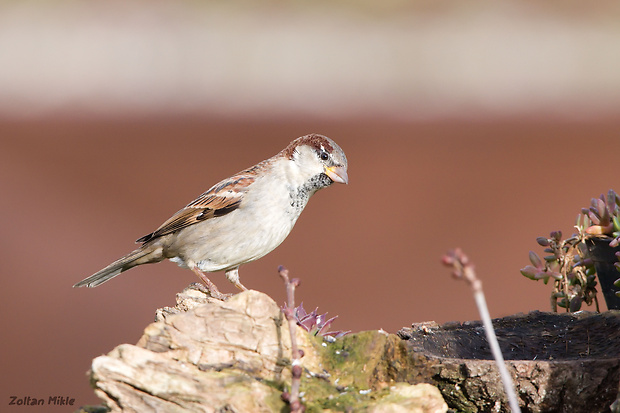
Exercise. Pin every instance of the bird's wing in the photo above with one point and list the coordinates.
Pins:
(220, 200)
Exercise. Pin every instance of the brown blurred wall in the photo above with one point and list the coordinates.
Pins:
(77, 193)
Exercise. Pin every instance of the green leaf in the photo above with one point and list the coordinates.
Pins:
(555, 275)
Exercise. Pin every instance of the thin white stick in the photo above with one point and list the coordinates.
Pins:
(495, 350)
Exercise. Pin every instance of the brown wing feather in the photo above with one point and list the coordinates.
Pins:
(220, 200)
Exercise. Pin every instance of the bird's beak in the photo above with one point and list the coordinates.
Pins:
(337, 174)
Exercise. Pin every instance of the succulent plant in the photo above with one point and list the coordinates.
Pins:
(316, 324)
(573, 274)
(568, 263)
(603, 217)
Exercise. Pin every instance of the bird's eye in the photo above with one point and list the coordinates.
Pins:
(323, 155)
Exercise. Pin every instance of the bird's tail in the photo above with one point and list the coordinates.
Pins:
(143, 255)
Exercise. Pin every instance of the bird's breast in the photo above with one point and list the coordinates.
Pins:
(261, 223)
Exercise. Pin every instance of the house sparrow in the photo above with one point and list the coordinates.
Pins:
(239, 219)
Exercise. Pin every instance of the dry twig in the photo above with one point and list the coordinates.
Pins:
(292, 397)
(464, 269)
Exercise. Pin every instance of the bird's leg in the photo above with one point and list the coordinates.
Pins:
(213, 291)
(233, 277)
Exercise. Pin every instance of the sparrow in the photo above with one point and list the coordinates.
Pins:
(239, 219)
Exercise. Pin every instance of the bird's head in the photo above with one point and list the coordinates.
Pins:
(318, 159)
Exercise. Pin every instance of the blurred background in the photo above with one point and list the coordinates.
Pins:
(481, 125)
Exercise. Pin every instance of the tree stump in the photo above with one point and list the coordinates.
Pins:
(559, 362)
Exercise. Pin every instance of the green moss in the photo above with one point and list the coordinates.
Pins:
(358, 372)
(320, 395)
(455, 398)
(351, 364)
(354, 359)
